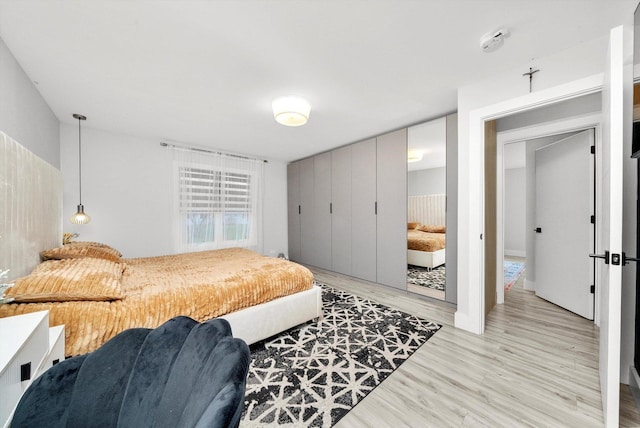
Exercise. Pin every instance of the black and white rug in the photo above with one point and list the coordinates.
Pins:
(312, 375)
(434, 278)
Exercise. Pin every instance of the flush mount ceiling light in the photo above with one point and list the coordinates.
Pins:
(492, 41)
(414, 156)
(291, 110)
(80, 217)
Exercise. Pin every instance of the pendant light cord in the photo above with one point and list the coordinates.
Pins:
(80, 159)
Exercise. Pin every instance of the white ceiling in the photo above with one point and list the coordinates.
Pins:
(205, 72)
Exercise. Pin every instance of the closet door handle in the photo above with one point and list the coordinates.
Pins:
(299, 210)
(375, 208)
(330, 207)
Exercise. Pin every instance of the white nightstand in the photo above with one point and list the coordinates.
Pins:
(28, 347)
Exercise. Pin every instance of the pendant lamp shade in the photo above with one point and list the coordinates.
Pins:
(291, 110)
(80, 217)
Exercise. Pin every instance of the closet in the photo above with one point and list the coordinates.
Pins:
(347, 210)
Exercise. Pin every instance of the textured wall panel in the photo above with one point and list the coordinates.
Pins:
(428, 209)
(30, 207)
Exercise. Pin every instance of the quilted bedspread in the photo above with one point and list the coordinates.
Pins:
(200, 285)
(425, 241)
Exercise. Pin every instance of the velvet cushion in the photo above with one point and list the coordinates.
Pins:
(213, 395)
(181, 374)
(224, 379)
(100, 386)
(412, 225)
(194, 353)
(153, 366)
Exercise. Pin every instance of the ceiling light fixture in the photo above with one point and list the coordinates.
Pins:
(291, 110)
(414, 156)
(80, 217)
(492, 41)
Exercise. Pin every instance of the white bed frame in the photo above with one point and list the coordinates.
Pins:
(427, 209)
(426, 259)
(35, 224)
(262, 321)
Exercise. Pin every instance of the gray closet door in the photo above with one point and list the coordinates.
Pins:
(341, 210)
(307, 225)
(392, 209)
(321, 213)
(293, 210)
(363, 218)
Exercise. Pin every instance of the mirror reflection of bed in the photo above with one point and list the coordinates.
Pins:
(426, 210)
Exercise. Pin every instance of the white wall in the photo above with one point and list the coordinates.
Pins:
(430, 181)
(127, 189)
(515, 192)
(24, 114)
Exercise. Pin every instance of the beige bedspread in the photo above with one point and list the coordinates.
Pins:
(425, 241)
(201, 285)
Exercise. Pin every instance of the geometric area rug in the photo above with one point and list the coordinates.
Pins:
(312, 375)
(426, 277)
(512, 271)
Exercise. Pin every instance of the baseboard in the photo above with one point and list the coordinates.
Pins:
(461, 321)
(529, 285)
(515, 253)
(634, 385)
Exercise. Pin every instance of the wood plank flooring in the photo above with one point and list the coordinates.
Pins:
(535, 366)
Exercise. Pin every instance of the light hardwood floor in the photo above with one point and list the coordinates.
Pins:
(535, 366)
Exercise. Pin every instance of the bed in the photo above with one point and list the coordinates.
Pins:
(97, 298)
(426, 234)
(97, 295)
(426, 249)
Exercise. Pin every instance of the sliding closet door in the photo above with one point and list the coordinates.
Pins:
(363, 217)
(392, 209)
(321, 252)
(341, 210)
(293, 210)
(307, 226)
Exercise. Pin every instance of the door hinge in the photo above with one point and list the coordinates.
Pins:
(592, 289)
(593, 219)
(593, 150)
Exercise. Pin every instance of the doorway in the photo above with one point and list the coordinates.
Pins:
(519, 136)
(547, 204)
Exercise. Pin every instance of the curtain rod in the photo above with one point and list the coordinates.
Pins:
(195, 149)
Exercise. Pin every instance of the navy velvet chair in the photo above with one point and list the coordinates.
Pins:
(181, 374)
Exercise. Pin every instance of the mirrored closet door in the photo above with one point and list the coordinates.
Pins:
(426, 208)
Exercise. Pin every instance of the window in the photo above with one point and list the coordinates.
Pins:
(216, 207)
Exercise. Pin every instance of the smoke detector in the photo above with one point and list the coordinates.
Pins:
(492, 41)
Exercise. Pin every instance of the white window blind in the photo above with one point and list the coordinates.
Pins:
(205, 190)
(217, 202)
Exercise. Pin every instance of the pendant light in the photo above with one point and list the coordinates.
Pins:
(80, 217)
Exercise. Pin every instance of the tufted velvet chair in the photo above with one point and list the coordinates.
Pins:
(181, 374)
